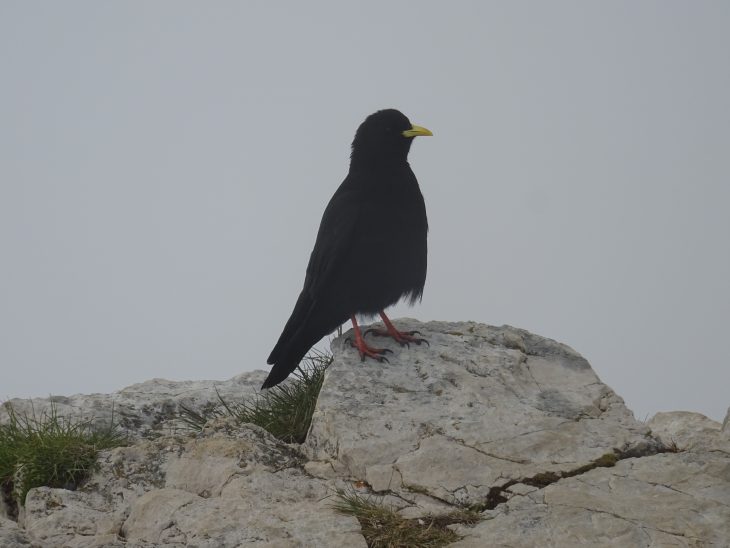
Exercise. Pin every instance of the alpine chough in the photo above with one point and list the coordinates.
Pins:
(370, 250)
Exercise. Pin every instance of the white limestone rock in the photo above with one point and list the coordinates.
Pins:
(686, 431)
(670, 499)
(230, 485)
(147, 409)
(495, 418)
(12, 535)
(477, 408)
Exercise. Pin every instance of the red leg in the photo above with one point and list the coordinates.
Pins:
(365, 350)
(401, 337)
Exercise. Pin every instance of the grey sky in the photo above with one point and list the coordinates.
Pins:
(164, 167)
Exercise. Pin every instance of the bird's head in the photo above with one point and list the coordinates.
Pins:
(384, 138)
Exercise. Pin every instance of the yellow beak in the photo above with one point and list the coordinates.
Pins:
(416, 131)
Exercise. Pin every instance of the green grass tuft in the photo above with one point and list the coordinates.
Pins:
(284, 410)
(383, 527)
(49, 450)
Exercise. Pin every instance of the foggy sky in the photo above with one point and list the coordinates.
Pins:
(164, 167)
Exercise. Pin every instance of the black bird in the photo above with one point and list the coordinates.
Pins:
(370, 250)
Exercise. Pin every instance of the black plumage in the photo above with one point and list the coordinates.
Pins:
(371, 246)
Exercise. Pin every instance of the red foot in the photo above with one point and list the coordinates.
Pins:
(370, 352)
(403, 338)
(365, 350)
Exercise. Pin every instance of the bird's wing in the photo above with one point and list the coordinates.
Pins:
(332, 247)
(335, 239)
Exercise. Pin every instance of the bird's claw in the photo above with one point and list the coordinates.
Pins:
(366, 351)
(403, 338)
(379, 358)
(417, 340)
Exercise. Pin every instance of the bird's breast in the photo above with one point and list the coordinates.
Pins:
(390, 251)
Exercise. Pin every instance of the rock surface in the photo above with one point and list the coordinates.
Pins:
(479, 408)
(227, 486)
(147, 409)
(497, 419)
(671, 499)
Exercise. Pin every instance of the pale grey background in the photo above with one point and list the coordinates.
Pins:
(164, 167)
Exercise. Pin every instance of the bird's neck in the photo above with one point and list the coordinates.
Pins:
(377, 163)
